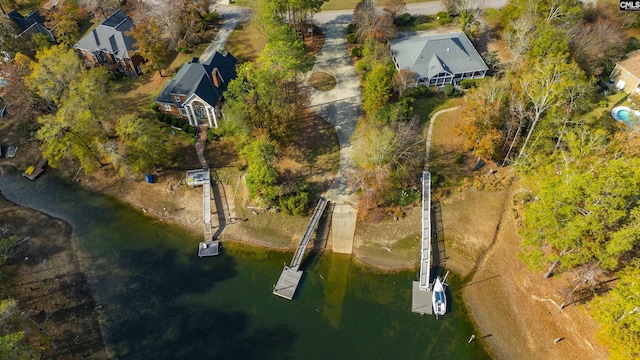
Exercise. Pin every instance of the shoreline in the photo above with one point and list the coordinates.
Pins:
(479, 308)
(51, 259)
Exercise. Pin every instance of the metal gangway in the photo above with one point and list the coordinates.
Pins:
(291, 275)
(425, 257)
(421, 294)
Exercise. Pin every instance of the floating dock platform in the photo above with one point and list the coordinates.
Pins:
(35, 170)
(288, 283)
(421, 302)
(209, 248)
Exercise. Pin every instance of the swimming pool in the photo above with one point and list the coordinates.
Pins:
(624, 114)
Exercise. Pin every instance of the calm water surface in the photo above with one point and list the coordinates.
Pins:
(161, 301)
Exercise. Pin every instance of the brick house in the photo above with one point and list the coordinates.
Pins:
(108, 45)
(195, 93)
(626, 73)
(438, 59)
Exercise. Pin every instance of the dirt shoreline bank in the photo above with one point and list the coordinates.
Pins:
(483, 247)
(50, 285)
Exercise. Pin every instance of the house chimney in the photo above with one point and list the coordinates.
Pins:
(215, 77)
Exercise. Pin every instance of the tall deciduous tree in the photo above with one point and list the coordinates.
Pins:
(482, 119)
(53, 72)
(618, 313)
(377, 88)
(151, 44)
(262, 173)
(265, 101)
(546, 84)
(64, 19)
(585, 207)
(384, 154)
(146, 143)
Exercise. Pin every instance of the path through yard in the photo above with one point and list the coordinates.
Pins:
(342, 108)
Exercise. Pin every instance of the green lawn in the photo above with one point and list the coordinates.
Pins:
(329, 5)
(245, 42)
(425, 107)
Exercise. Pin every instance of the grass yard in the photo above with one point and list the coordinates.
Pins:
(322, 81)
(245, 42)
(426, 107)
(329, 5)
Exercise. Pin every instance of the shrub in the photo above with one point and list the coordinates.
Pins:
(444, 18)
(603, 103)
(181, 123)
(155, 107)
(211, 17)
(459, 158)
(351, 38)
(449, 90)
(356, 52)
(159, 116)
(404, 19)
(174, 122)
(295, 204)
(192, 130)
(185, 127)
(351, 28)
(633, 44)
(468, 83)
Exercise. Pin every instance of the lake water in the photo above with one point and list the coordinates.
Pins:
(161, 301)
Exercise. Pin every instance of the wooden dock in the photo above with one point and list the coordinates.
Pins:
(35, 170)
(291, 275)
(202, 177)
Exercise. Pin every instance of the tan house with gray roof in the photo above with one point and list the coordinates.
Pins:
(438, 59)
(626, 74)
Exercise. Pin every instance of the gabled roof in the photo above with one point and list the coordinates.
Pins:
(427, 55)
(32, 24)
(110, 36)
(632, 63)
(196, 78)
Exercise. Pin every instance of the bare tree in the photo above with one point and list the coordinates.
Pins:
(403, 79)
(364, 17)
(596, 46)
(394, 7)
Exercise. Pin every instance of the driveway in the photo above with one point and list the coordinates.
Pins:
(232, 15)
(341, 107)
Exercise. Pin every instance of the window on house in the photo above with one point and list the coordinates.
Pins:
(167, 107)
(183, 112)
(177, 98)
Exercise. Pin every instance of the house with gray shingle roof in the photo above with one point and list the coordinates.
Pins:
(438, 59)
(626, 73)
(195, 92)
(108, 45)
(30, 25)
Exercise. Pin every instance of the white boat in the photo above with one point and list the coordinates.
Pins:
(439, 298)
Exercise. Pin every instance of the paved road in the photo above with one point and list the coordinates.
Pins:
(424, 8)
